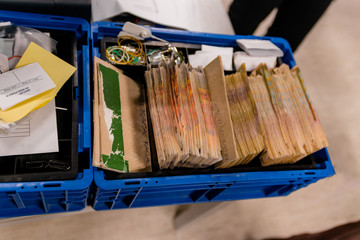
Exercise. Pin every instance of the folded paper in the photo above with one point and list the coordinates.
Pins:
(58, 70)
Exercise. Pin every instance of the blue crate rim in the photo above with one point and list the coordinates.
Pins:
(79, 26)
(101, 182)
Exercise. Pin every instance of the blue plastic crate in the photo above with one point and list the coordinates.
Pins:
(196, 188)
(29, 198)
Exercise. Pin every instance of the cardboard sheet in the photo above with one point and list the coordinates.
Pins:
(214, 73)
(121, 140)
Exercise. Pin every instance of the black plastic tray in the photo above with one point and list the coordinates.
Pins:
(62, 165)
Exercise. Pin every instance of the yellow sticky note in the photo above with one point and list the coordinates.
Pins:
(58, 70)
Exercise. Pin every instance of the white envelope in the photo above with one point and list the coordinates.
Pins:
(23, 83)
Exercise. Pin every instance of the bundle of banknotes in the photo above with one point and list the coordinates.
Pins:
(272, 116)
(183, 123)
(201, 117)
(249, 140)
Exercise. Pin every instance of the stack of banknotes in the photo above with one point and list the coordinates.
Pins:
(181, 115)
(272, 114)
(201, 118)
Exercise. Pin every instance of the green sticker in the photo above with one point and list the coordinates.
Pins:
(111, 93)
(115, 161)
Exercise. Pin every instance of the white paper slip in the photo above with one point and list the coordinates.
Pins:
(260, 48)
(220, 50)
(251, 62)
(37, 134)
(209, 53)
(3, 24)
(201, 58)
(226, 54)
(23, 83)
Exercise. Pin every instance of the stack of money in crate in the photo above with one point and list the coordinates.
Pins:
(271, 115)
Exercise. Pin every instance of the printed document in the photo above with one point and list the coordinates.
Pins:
(35, 134)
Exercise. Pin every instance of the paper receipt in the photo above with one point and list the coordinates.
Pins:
(23, 83)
